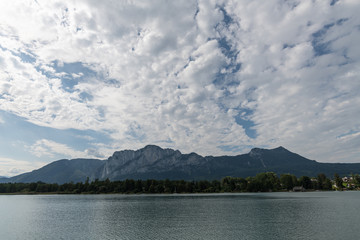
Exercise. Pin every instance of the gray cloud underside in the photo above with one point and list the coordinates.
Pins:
(179, 73)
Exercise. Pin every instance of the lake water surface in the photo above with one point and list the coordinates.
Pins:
(311, 215)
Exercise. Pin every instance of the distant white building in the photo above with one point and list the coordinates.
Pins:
(347, 179)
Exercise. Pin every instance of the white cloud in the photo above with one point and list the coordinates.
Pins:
(48, 148)
(165, 72)
(349, 136)
(11, 167)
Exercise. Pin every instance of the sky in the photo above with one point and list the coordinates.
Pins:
(85, 78)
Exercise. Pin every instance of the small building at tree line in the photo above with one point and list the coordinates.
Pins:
(298, 189)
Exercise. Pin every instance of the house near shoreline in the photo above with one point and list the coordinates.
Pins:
(299, 189)
(347, 179)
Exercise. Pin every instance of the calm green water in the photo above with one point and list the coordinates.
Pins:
(315, 215)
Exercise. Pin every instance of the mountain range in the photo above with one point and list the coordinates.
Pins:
(153, 162)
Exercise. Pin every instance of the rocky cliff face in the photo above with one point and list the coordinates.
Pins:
(149, 159)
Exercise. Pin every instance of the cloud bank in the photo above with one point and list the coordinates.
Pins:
(214, 77)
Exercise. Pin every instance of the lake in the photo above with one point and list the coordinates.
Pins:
(309, 215)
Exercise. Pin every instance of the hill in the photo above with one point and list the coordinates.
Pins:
(61, 171)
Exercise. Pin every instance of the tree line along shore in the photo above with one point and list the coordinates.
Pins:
(262, 182)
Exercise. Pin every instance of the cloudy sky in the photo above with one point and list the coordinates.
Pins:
(86, 78)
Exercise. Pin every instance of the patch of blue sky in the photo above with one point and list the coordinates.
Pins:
(226, 22)
(135, 132)
(228, 51)
(235, 148)
(86, 96)
(44, 72)
(225, 78)
(349, 133)
(75, 72)
(288, 45)
(101, 112)
(227, 19)
(14, 128)
(243, 119)
(71, 75)
(26, 57)
(333, 2)
(113, 82)
(320, 46)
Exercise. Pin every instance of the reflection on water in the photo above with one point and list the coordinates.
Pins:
(315, 215)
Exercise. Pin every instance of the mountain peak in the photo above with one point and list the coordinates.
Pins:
(259, 150)
(255, 149)
(152, 147)
(280, 148)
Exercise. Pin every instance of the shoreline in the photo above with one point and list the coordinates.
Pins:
(182, 193)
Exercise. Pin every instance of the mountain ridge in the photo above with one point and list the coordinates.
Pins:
(154, 162)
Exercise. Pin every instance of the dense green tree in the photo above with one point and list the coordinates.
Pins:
(129, 186)
(241, 185)
(327, 184)
(159, 188)
(181, 186)
(138, 186)
(147, 185)
(2, 188)
(227, 184)
(267, 182)
(232, 184)
(306, 182)
(252, 185)
(320, 181)
(288, 181)
(152, 188)
(356, 179)
(86, 185)
(41, 188)
(323, 183)
(32, 187)
(202, 186)
(338, 181)
(190, 186)
(168, 186)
